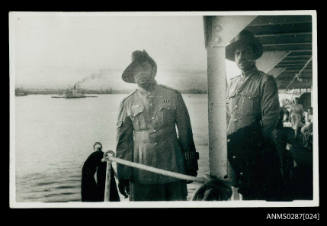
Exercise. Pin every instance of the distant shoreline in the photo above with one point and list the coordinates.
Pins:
(22, 91)
(85, 91)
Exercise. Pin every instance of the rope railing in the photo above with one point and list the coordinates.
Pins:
(109, 157)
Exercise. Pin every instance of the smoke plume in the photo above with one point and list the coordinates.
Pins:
(93, 76)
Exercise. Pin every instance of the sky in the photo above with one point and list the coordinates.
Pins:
(55, 50)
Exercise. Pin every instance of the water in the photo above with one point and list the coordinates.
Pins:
(55, 136)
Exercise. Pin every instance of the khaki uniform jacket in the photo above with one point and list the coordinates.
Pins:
(146, 133)
(252, 98)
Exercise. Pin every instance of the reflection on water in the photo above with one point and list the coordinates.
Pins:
(55, 136)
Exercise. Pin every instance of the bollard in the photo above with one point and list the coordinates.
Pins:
(108, 176)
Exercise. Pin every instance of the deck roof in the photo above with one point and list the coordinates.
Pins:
(294, 35)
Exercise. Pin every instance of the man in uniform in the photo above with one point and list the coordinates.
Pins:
(252, 115)
(146, 134)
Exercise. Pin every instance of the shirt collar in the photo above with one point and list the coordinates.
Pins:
(250, 72)
(146, 92)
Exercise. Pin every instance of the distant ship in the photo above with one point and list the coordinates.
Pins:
(72, 93)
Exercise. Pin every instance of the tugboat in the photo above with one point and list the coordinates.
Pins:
(72, 93)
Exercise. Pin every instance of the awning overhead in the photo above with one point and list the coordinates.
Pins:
(294, 35)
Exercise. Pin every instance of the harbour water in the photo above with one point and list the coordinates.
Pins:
(53, 138)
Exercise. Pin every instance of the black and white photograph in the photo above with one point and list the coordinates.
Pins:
(163, 109)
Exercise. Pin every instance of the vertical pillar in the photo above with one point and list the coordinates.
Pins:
(219, 30)
(217, 111)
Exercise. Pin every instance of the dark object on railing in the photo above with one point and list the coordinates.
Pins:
(93, 190)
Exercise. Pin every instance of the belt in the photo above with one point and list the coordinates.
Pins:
(154, 135)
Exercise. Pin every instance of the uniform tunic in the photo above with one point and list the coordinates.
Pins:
(250, 100)
(146, 134)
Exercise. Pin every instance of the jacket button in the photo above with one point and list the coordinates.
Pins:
(234, 157)
(241, 173)
(228, 140)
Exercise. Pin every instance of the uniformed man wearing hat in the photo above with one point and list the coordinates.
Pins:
(252, 102)
(146, 134)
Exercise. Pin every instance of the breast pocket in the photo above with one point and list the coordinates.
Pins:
(249, 104)
(231, 101)
(166, 114)
(137, 116)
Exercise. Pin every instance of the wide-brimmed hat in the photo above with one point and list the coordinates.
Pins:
(138, 58)
(244, 38)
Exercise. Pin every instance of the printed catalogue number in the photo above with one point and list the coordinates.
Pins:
(293, 216)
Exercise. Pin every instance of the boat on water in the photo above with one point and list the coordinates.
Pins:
(72, 94)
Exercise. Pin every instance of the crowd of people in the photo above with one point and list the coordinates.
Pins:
(293, 138)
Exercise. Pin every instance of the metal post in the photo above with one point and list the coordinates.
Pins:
(108, 182)
(217, 111)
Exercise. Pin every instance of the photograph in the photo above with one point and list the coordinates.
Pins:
(163, 109)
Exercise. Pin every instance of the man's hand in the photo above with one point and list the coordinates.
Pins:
(123, 187)
(191, 173)
(191, 164)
